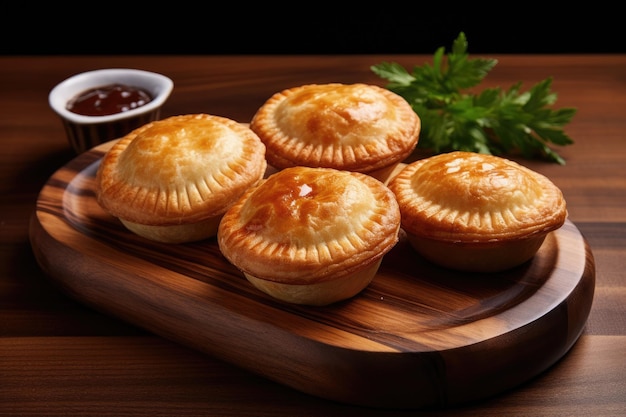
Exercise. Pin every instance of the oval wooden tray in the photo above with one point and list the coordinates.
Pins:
(418, 336)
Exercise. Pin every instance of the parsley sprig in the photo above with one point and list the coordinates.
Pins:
(493, 121)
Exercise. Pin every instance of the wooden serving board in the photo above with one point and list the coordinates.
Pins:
(418, 336)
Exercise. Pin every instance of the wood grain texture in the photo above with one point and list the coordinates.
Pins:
(418, 336)
(93, 371)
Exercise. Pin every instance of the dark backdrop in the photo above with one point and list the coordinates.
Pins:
(229, 27)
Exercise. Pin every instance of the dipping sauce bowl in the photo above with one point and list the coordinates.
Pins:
(86, 131)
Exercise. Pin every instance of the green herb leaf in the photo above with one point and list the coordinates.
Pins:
(492, 121)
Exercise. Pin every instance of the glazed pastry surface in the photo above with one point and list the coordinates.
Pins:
(471, 197)
(179, 170)
(355, 127)
(304, 225)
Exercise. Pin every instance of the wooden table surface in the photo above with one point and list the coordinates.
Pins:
(59, 357)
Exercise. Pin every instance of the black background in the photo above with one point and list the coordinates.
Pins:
(309, 28)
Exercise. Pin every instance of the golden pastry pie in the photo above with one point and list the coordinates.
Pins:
(171, 180)
(476, 212)
(311, 235)
(354, 127)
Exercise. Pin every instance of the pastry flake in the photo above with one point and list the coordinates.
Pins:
(355, 127)
(474, 202)
(180, 170)
(307, 227)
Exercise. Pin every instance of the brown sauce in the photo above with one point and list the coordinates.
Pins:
(108, 99)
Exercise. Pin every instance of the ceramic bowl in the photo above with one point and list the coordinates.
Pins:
(85, 132)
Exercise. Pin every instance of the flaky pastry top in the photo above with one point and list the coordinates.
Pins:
(356, 127)
(179, 170)
(303, 225)
(472, 197)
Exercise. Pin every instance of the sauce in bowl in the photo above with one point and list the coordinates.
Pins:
(108, 99)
